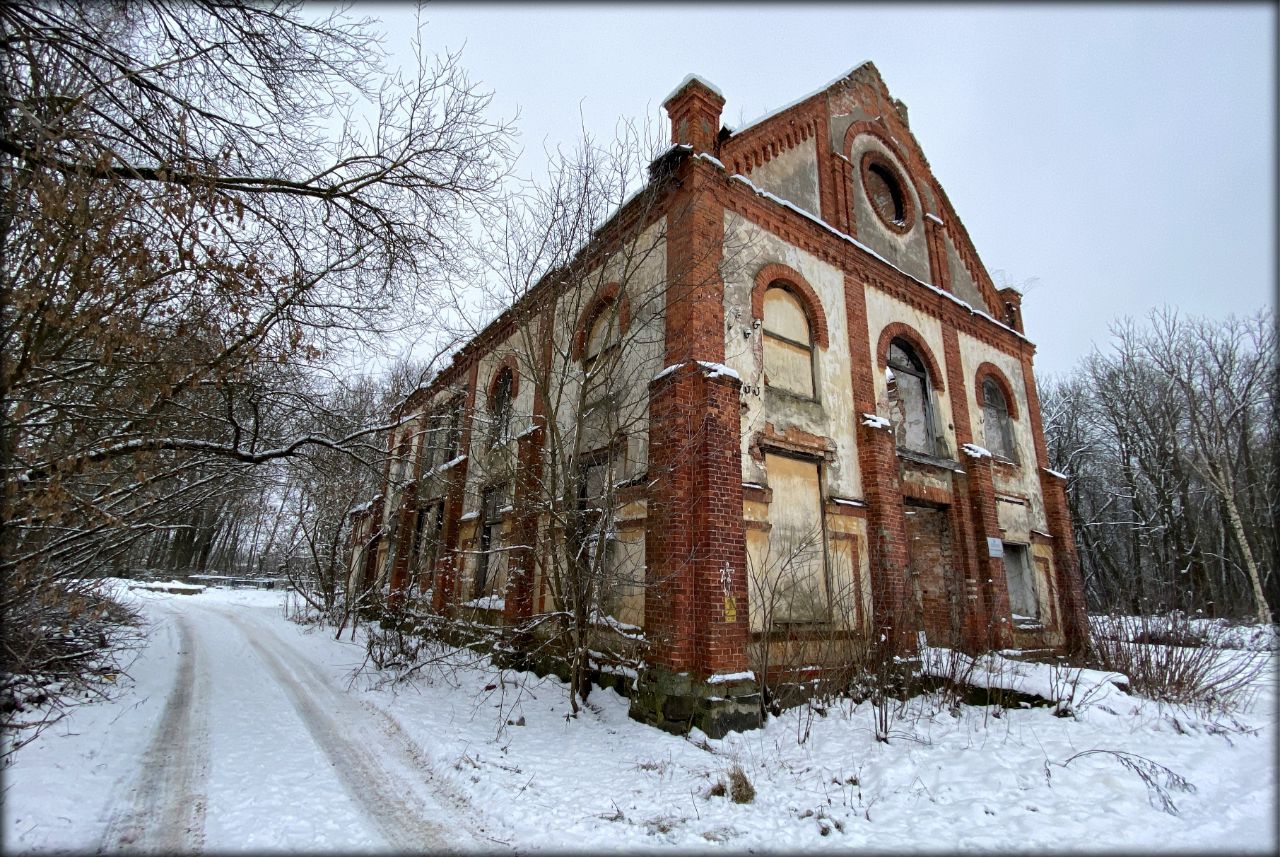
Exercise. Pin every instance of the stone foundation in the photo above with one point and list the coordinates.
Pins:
(677, 702)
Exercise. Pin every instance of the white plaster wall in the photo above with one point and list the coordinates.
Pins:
(908, 251)
(641, 271)
(792, 175)
(833, 415)
(961, 282)
(1026, 479)
(883, 310)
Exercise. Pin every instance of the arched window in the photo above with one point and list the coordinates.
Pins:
(910, 406)
(602, 334)
(500, 405)
(997, 429)
(788, 343)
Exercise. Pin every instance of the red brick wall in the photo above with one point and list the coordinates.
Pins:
(987, 621)
(696, 613)
(881, 485)
(696, 581)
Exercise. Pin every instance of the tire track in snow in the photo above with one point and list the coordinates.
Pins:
(342, 729)
(164, 813)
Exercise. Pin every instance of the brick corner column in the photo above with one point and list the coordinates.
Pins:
(696, 608)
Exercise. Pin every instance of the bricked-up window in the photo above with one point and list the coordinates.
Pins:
(788, 343)
(1023, 603)
(500, 406)
(488, 556)
(997, 428)
(910, 399)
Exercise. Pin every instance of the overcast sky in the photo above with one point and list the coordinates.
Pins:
(1121, 157)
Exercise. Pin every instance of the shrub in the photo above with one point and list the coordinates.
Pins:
(740, 788)
(1186, 674)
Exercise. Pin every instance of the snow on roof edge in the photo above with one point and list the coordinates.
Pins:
(801, 99)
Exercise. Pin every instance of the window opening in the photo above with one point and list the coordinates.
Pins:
(996, 424)
(1023, 603)
(500, 406)
(602, 332)
(910, 408)
(788, 343)
(490, 535)
(885, 194)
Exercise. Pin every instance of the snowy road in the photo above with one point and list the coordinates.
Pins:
(240, 731)
(252, 746)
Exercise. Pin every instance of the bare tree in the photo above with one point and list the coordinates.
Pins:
(204, 205)
(1162, 437)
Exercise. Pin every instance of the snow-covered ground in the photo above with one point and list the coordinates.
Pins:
(238, 730)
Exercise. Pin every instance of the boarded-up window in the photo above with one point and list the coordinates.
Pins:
(791, 581)
(996, 428)
(1023, 603)
(788, 345)
(910, 408)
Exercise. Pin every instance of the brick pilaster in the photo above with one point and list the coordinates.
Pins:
(528, 494)
(988, 625)
(696, 608)
(444, 594)
(1066, 564)
(696, 586)
(881, 486)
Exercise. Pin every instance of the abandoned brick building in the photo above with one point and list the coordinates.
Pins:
(827, 426)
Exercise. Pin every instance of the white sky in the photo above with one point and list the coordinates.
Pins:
(1123, 157)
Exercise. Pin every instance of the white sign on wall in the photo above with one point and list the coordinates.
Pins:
(995, 547)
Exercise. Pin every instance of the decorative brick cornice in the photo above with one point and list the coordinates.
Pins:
(792, 281)
(900, 330)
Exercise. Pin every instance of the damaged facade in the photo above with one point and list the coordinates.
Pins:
(822, 424)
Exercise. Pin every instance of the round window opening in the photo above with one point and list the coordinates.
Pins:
(886, 194)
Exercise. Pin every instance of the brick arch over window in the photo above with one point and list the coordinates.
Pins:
(992, 371)
(790, 279)
(600, 302)
(898, 330)
(508, 362)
